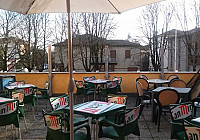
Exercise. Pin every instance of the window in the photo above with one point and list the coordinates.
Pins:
(112, 53)
(127, 53)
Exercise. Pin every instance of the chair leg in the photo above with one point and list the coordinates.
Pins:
(33, 108)
(195, 110)
(12, 131)
(83, 99)
(136, 103)
(20, 136)
(37, 105)
(75, 99)
(159, 115)
(25, 123)
(5, 134)
(156, 117)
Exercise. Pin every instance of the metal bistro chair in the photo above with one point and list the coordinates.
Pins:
(194, 79)
(55, 130)
(164, 99)
(143, 76)
(10, 115)
(178, 113)
(141, 97)
(59, 103)
(126, 123)
(145, 85)
(177, 83)
(194, 96)
(119, 79)
(173, 76)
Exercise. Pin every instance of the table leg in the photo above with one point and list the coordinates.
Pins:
(153, 108)
(95, 93)
(97, 128)
(65, 123)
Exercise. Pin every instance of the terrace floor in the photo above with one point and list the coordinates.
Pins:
(37, 130)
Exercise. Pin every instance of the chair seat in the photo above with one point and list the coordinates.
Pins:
(197, 104)
(89, 92)
(40, 96)
(78, 135)
(109, 132)
(181, 136)
(79, 121)
(57, 135)
(146, 101)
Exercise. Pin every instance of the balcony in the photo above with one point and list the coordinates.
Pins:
(37, 130)
(60, 79)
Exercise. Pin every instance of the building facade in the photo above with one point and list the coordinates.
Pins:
(123, 56)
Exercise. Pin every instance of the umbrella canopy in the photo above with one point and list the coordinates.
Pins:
(59, 6)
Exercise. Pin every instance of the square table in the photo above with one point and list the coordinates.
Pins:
(96, 109)
(97, 82)
(25, 87)
(158, 81)
(183, 91)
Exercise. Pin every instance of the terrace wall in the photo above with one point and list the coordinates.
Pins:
(60, 80)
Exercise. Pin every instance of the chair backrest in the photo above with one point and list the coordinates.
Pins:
(132, 115)
(18, 96)
(79, 84)
(111, 84)
(144, 82)
(194, 79)
(139, 88)
(117, 99)
(168, 96)
(27, 91)
(119, 79)
(9, 112)
(46, 85)
(192, 130)
(88, 78)
(15, 83)
(52, 121)
(181, 111)
(177, 83)
(195, 90)
(143, 76)
(60, 102)
(8, 107)
(173, 76)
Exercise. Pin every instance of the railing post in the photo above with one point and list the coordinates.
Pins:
(50, 70)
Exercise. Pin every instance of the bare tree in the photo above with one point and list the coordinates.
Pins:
(154, 23)
(9, 22)
(96, 28)
(190, 37)
(60, 35)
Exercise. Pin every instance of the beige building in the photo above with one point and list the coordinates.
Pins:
(123, 56)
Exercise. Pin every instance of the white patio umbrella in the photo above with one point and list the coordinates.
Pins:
(59, 6)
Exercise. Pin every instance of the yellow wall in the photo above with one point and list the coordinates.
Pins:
(60, 80)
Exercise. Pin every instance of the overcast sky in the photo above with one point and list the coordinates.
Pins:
(128, 21)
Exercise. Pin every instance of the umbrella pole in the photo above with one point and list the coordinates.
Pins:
(70, 68)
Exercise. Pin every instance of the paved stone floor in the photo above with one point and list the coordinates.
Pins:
(37, 130)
